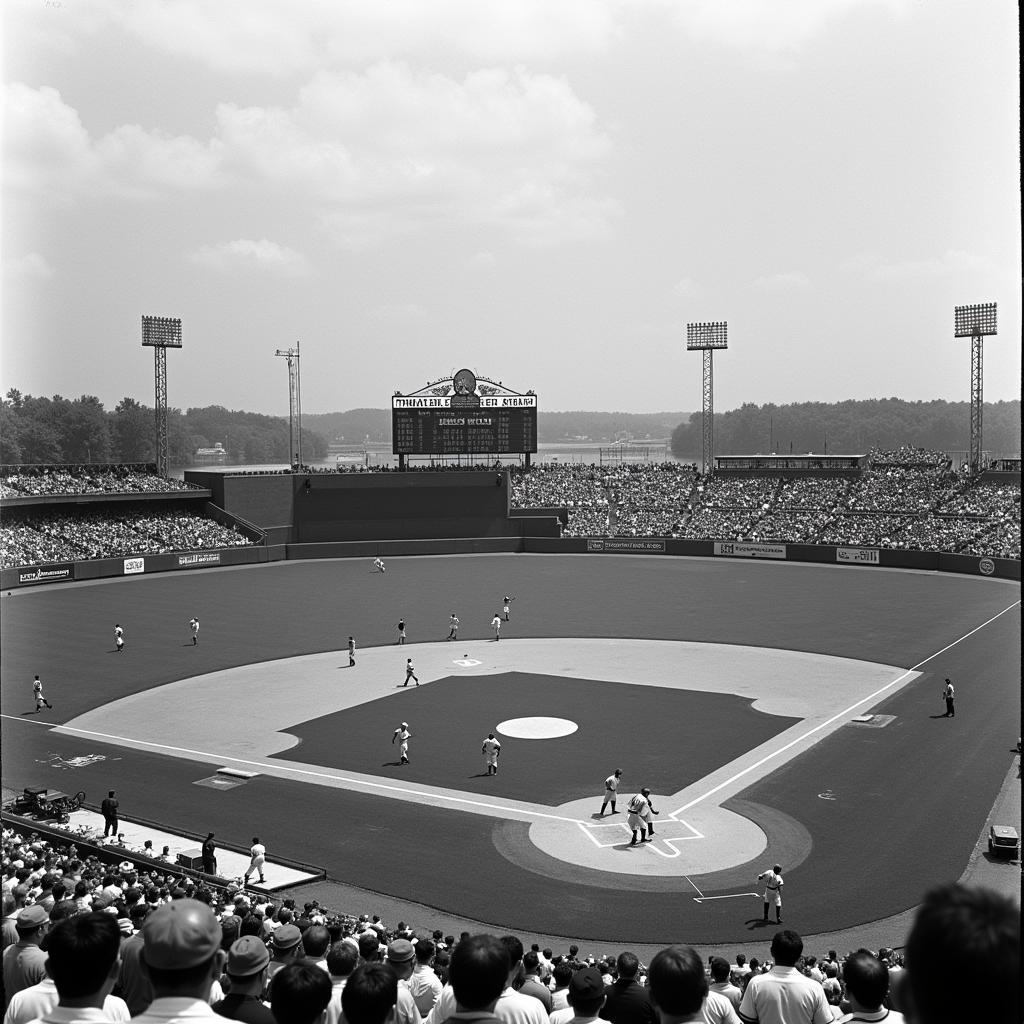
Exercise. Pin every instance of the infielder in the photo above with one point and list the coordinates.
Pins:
(639, 811)
(611, 787)
(401, 737)
(37, 691)
(491, 749)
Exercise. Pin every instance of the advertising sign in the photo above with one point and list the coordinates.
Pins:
(986, 567)
(47, 574)
(857, 556)
(640, 546)
(134, 565)
(197, 558)
(745, 549)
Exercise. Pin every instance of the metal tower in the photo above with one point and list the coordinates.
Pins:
(291, 355)
(161, 333)
(706, 338)
(975, 322)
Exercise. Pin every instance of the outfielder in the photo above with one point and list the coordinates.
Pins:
(401, 737)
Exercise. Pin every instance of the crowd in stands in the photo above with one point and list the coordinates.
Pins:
(88, 940)
(51, 535)
(908, 498)
(26, 481)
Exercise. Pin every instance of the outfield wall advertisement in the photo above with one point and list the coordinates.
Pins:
(47, 574)
(743, 549)
(641, 546)
(858, 556)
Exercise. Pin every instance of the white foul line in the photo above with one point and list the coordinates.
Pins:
(842, 714)
(727, 896)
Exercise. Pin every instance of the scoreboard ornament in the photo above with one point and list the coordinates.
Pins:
(464, 385)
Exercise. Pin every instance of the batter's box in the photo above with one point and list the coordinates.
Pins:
(667, 834)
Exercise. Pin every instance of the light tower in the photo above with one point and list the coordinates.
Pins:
(975, 322)
(291, 355)
(161, 333)
(706, 338)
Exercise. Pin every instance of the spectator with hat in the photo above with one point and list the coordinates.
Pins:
(246, 971)
(301, 994)
(81, 968)
(627, 1002)
(182, 956)
(401, 958)
(285, 948)
(586, 998)
(24, 963)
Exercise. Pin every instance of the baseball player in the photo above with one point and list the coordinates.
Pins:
(639, 811)
(401, 737)
(772, 891)
(611, 789)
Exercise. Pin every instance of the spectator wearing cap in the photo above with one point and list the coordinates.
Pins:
(342, 959)
(532, 985)
(784, 994)
(424, 984)
(586, 998)
(301, 994)
(24, 962)
(182, 955)
(246, 971)
(679, 990)
(81, 968)
(401, 958)
(627, 1002)
(479, 972)
(721, 982)
(285, 948)
(962, 959)
(867, 985)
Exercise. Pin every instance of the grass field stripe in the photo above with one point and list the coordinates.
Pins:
(275, 769)
(871, 697)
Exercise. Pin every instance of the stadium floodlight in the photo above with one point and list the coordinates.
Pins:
(291, 356)
(707, 337)
(975, 322)
(161, 333)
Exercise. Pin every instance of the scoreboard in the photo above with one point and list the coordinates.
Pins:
(474, 430)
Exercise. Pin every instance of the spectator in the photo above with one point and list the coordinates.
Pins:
(784, 994)
(424, 984)
(301, 994)
(721, 982)
(586, 997)
(679, 988)
(867, 985)
(561, 975)
(962, 958)
(81, 968)
(285, 948)
(370, 995)
(401, 958)
(246, 971)
(627, 1002)
(532, 985)
(24, 962)
(182, 956)
(479, 970)
(315, 941)
(342, 958)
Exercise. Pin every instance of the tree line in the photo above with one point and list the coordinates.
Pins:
(851, 428)
(48, 431)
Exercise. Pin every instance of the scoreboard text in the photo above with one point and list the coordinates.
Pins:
(495, 426)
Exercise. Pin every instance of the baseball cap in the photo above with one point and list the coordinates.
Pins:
(400, 951)
(587, 984)
(179, 935)
(247, 956)
(286, 937)
(31, 917)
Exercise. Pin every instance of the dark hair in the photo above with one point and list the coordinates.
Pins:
(677, 982)
(81, 951)
(867, 979)
(786, 948)
(479, 970)
(369, 994)
(342, 959)
(315, 940)
(300, 993)
(514, 948)
(425, 949)
(963, 957)
(562, 973)
(531, 961)
(627, 965)
(719, 968)
(369, 945)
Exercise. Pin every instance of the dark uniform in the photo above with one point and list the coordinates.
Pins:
(108, 808)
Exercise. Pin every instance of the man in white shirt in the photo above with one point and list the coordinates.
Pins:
(784, 994)
(82, 963)
(867, 985)
(679, 990)
(424, 984)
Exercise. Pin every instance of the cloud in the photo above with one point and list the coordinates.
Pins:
(245, 254)
(685, 288)
(279, 37)
(33, 266)
(952, 261)
(792, 280)
(482, 260)
(49, 152)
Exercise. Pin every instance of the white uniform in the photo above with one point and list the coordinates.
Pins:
(259, 858)
(194, 626)
(496, 626)
(772, 887)
(401, 736)
(118, 637)
(491, 749)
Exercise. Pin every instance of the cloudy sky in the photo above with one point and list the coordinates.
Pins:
(545, 191)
